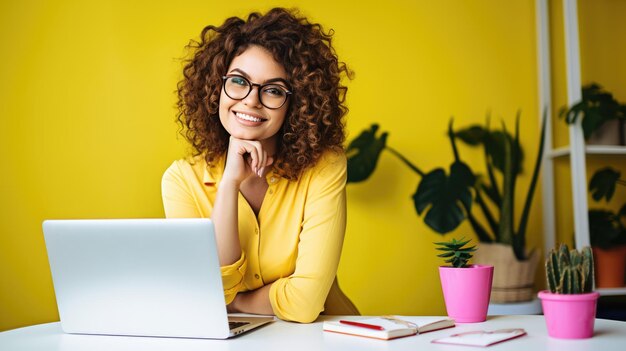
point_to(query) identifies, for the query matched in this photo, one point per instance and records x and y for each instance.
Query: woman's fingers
(260, 158)
(263, 163)
(261, 169)
(253, 155)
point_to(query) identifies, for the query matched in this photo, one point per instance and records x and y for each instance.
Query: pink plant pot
(466, 292)
(569, 316)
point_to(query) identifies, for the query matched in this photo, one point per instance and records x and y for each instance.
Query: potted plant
(603, 117)
(569, 304)
(445, 200)
(607, 230)
(466, 288)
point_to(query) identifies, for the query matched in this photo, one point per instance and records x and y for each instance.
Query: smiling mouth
(249, 118)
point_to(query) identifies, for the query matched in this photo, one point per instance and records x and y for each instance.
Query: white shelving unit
(591, 150)
(577, 155)
(545, 105)
(577, 151)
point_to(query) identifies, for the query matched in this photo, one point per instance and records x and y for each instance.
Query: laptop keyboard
(233, 325)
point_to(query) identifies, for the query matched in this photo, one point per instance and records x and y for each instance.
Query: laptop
(140, 277)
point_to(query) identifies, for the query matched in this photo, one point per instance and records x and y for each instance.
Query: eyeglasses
(271, 95)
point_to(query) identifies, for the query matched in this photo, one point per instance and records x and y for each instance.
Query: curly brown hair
(314, 119)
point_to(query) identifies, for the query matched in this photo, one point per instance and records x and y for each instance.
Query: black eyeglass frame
(259, 89)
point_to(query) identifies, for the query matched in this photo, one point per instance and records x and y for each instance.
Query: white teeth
(248, 117)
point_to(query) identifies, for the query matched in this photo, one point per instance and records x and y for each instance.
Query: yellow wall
(87, 123)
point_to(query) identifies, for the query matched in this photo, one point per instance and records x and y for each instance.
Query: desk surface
(609, 335)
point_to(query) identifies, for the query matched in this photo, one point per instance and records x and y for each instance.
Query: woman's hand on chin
(244, 159)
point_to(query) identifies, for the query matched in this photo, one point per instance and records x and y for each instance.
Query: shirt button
(257, 276)
(272, 180)
(256, 231)
(271, 191)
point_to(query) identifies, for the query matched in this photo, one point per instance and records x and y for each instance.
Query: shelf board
(612, 291)
(591, 150)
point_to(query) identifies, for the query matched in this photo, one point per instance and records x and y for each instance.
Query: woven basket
(513, 280)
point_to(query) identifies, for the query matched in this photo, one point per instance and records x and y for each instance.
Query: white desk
(609, 335)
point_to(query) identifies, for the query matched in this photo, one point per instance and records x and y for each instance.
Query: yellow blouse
(295, 242)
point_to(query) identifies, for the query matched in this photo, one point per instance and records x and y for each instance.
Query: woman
(262, 105)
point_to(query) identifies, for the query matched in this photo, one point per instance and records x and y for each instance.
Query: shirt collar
(213, 172)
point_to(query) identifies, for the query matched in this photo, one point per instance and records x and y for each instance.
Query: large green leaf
(493, 142)
(473, 135)
(519, 241)
(443, 197)
(363, 154)
(496, 150)
(603, 182)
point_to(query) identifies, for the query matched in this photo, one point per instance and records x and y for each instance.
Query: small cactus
(569, 271)
(456, 254)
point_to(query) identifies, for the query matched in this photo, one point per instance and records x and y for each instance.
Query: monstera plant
(446, 198)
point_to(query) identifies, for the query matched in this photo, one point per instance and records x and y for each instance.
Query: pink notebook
(481, 338)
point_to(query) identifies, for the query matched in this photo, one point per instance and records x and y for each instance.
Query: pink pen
(362, 325)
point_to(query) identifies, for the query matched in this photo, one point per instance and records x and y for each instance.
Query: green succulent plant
(569, 271)
(455, 253)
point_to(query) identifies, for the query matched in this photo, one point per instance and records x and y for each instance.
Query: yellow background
(87, 123)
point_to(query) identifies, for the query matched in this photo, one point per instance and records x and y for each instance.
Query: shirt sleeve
(300, 297)
(177, 193)
(180, 190)
(232, 278)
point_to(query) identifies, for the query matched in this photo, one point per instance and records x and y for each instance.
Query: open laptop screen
(153, 277)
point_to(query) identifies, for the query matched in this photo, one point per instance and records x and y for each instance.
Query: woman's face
(248, 118)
